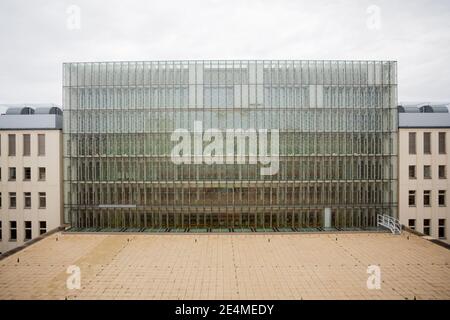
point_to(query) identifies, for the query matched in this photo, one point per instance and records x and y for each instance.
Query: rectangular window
(412, 143)
(42, 200)
(12, 174)
(442, 172)
(27, 174)
(412, 172)
(441, 198)
(42, 227)
(0, 199)
(26, 145)
(12, 230)
(41, 174)
(28, 233)
(41, 145)
(12, 200)
(11, 144)
(1, 231)
(412, 224)
(427, 172)
(427, 198)
(412, 198)
(427, 143)
(426, 227)
(442, 147)
(441, 229)
(27, 200)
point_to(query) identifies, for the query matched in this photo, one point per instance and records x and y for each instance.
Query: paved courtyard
(228, 266)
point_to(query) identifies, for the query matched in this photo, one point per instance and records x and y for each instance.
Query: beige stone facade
(38, 194)
(424, 187)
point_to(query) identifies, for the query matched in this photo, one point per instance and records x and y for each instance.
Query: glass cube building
(337, 124)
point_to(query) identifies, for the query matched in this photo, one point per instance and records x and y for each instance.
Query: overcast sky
(38, 36)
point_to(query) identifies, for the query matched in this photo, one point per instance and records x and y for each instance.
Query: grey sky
(35, 39)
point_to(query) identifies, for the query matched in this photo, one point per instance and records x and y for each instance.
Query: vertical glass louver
(337, 128)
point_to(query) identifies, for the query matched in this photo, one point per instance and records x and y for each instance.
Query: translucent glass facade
(338, 135)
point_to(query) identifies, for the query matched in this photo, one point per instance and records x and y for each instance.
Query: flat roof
(424, 120)
(228, 266)
(31, 117)
(424, 115)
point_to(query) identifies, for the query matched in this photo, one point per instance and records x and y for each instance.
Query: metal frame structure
(389, 222)
(338, 143)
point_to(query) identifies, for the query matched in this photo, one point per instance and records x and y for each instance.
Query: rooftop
(424, 115)
(228, 266)
(30, 116)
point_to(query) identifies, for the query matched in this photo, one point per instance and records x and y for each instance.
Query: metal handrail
(389, 222)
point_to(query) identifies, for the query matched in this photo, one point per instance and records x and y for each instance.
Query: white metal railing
(389, 222)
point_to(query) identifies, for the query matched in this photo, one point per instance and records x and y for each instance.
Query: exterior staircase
(390, 223)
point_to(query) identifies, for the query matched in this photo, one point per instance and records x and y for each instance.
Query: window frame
(441, 227)
(39, 174)
(412, 143)
(412, 193)
(42, 195)
(30, 229)
(409, 172)
(42, 228)
(442, 142)
(41, 148)
(12, 142)
(427, 143)
(26, 147)
(428, 195)
(11, 229)
(25, 200)
(430, 171)
(25, 174)
(12, 195)
(444, 176)
(427, 226)
(442, 193)
(12, 169)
